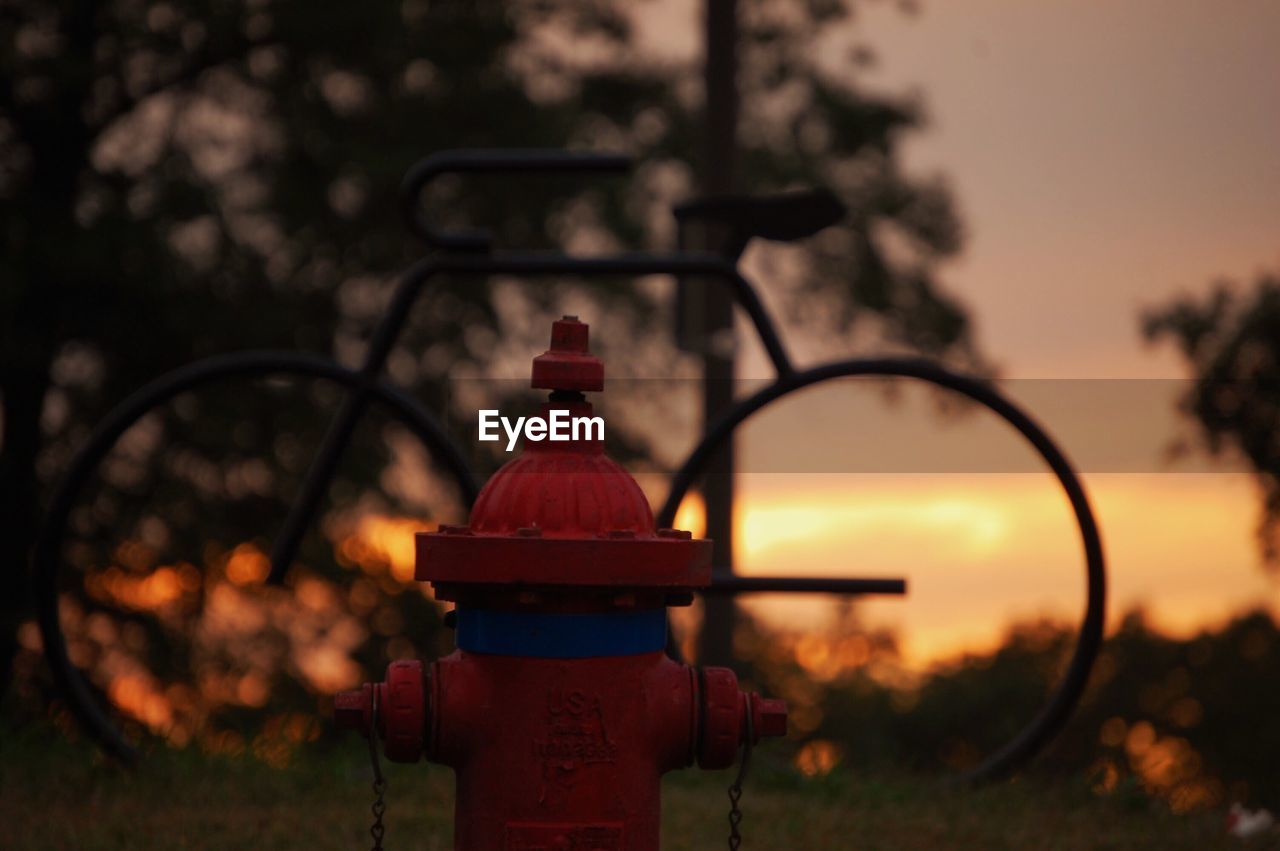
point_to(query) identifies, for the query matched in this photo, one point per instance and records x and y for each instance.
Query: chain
(735, 788)
(379, 782)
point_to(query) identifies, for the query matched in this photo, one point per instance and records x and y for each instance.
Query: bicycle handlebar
(496, 161)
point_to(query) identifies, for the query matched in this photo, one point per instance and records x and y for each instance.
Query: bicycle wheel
(49, 563)
(1063, 698)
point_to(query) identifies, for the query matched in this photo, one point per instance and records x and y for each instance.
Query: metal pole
(718, 174)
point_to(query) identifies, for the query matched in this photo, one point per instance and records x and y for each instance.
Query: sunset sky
(1105, 158)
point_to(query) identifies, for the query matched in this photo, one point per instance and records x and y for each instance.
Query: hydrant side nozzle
(402, 710)
(353, 710)
(768, 717)
(720, 717)
(397, 708)
(724, 712)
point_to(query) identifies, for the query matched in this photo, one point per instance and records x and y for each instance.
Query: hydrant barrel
(559, 711)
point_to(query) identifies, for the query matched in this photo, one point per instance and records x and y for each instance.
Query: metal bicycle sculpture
(782, 217)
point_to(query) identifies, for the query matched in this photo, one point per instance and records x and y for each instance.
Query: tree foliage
(1231, 340)
(185, 178)
(1184, 720)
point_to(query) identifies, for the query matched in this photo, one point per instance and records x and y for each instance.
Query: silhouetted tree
(1230, 338)
(183, 178)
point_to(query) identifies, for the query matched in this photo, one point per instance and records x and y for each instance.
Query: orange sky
(979, 550)
(1104, 157)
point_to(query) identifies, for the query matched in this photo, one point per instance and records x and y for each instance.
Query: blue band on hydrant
(561, 636)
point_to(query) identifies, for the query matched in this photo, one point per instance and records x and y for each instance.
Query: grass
(59, 795)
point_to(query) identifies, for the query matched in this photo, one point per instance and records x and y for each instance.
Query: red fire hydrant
(559, 711)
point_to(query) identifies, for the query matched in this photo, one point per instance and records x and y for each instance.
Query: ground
(59, 795)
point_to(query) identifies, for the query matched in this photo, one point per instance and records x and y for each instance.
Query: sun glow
(379, 542)
(972, 528)
(979, 551)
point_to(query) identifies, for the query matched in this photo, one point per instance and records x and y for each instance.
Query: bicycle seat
(784, 217)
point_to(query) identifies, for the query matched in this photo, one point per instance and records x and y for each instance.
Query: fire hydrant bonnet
(562, 514)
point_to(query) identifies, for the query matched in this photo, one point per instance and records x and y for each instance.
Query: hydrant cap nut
(568, 364)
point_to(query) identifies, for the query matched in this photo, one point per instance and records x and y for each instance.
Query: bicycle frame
(469, 254)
